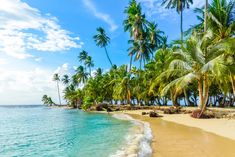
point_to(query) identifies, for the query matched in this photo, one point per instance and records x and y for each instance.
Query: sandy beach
(182, 136)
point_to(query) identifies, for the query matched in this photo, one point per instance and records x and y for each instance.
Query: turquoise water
(37, 131)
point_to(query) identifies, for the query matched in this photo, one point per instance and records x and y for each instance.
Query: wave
(138, 141)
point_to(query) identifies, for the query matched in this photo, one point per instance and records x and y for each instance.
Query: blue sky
(41, 37)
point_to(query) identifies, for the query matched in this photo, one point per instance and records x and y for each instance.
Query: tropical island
(190, 81)
(196, 70)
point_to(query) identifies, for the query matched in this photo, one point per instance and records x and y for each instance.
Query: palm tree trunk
(181, 22)
(205, 92)
(108, 56)
(130, 63)
(186, 97)
(205, 15)
(233, 82)
(90, 71)
(58, 89)
(200, 94)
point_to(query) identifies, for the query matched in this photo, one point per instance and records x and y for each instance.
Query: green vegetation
(47, 100)
(199, 70)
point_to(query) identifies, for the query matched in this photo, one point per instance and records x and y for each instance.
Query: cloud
(62, 70)
(39, 59)
(23, 28)
(103, 16)
(154, 7)
(27, 86)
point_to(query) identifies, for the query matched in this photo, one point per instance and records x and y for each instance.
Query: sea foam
(138, 141)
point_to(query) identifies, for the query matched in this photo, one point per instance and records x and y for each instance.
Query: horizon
(38, 40)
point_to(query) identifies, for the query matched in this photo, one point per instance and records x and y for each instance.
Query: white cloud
(39, 59)
(23, 28)
(27, 86)
(62, 70)
(100, 15)
(154, 7)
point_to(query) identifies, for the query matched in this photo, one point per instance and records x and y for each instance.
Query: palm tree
(154, 35)
(47, 100)
(219, 19)
(136, 24)
(180, 5)
(65, 79)
(141, 50)
(164, 43)
(89, 63)
(98, 72)
(73, 96)
(102, 40)
(132, 51)
(198, 61)
(81, 75)
(82, 57)
(56, 78)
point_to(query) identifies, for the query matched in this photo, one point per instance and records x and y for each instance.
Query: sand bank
(221, 127)
(182, 136)
(176, 140)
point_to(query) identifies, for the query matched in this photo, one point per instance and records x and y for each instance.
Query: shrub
(88, 102)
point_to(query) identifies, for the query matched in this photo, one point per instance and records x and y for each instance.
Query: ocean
(39, 131)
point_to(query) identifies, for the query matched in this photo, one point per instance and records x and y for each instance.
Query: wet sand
(176, 140)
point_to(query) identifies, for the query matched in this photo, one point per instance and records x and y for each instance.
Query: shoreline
(139, 138)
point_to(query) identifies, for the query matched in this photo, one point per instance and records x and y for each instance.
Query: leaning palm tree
(47, 100)
(196, 61)
(102, 40)
(56, 78)
(180, 5)
(89, 63)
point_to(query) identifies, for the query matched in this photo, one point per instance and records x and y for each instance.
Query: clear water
(37, 131)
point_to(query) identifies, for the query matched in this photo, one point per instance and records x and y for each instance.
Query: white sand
(222, 127)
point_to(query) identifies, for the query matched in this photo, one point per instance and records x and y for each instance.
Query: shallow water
(41, 131)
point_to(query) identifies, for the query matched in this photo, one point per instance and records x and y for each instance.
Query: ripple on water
(40, 131)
